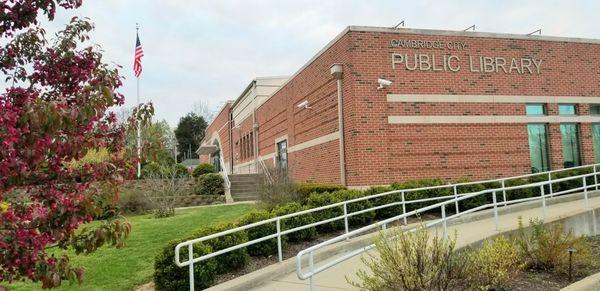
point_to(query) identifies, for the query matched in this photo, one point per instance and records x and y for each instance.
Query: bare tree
(166, 186)
(201, 108)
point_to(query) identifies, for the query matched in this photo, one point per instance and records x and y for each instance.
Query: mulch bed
(544, 280)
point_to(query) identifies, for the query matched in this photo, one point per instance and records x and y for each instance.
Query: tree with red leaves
(55, 109)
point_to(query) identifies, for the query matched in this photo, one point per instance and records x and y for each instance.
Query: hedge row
(170, 277)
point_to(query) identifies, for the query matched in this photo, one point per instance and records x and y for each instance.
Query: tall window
(596, 140)
(570, 145)
(282, 158)
(538, 147)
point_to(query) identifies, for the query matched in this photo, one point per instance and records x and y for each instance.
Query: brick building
(418, 104)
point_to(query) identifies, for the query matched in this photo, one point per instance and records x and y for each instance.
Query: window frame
(579, 145)
(547, 145)
(575, 109)
(544, 109)
(593, 105)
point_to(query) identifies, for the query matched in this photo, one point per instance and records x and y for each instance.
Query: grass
(123, 269)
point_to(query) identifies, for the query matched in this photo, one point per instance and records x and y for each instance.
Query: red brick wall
(280, 116)
(220, 125)
(380, 153)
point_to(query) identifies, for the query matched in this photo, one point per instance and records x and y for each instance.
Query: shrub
(133, 202)
(305, 189)
(297, 221)
(495, 264)
(573, 183)
(210, 184)
(359, 219)
(317, 200)
(473, 202)
(279, 192)
(415, 195)
(168, 276)
(546, 247)
(386, 212)
(518, 193)
(413, 261)
(182, 171)
(150, 169)
(203, 169)
(264, 248)
(232, 260)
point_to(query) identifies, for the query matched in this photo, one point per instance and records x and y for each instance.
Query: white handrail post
(311, 266)
(191, 266)
(279, 252)
(585, 193)
(444, 220)
(543, 200)
(403, 208)
(346, 218)
(595, 177)
(503, 191)
(550, 183)
(456, 201)
(495, 200)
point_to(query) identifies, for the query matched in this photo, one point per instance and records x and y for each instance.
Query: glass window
(570, 145)
(596, 140)
(538, 147)
(595, 109)
(282, 158)
(535, 109)
(567, 109)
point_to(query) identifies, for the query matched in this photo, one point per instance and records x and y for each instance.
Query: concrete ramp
(571, 210)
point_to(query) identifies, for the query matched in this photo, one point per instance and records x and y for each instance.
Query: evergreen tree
(189, 132)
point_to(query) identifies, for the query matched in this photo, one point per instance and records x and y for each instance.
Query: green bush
(415, 195)
(317, 200)
(305, 189)
(203, 169)
(181, 171)
(232, 260)
(359, 219)
(385, 212)
(210, 184)
(168, 276)
(573, 183)
(473, 202)
(150, 169)
(264, 248)
(495, 264)
(297, 221)
(413, 261)
(546, 247)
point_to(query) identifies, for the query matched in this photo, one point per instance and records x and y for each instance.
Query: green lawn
(123, 269)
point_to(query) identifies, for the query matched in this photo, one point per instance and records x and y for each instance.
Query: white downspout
(337, 73)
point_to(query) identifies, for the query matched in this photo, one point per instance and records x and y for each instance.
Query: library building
(382, 105)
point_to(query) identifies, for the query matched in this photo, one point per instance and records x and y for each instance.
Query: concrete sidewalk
(468, 232)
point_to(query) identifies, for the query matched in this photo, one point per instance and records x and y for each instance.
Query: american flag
(139, 53)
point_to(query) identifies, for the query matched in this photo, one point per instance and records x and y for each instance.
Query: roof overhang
(207, 149)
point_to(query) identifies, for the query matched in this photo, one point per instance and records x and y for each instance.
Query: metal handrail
(224, 174)
(383, 224)
(265, 170)
(344, 204)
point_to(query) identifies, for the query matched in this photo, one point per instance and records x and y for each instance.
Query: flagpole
(139, 137)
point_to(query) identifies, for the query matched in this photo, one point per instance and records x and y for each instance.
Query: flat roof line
(472, 34)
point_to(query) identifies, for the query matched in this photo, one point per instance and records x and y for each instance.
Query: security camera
(303, 104)
(383, 83)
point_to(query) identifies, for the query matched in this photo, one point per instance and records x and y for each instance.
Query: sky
(209, 51)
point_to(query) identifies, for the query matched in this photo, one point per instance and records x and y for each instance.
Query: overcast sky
(210, 50)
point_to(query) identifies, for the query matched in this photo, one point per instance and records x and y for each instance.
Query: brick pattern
(379, 153)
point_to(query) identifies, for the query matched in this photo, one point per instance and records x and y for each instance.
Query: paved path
(469, 232)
